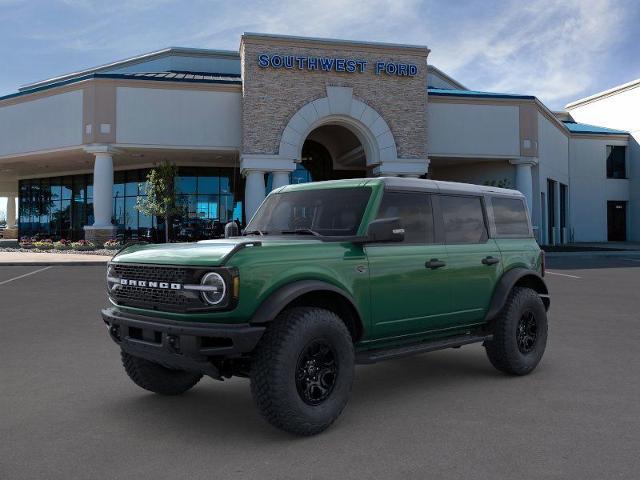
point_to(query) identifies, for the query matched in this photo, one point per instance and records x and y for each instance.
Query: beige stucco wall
(50, 122)
(272, 96)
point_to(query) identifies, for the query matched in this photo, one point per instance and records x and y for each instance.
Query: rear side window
(414, 211)
(510, 216)
(463, 219)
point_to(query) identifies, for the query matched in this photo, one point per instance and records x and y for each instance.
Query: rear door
(474, 260)
(409, 288)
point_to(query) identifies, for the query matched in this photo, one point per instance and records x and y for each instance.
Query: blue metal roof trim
(444, 92)
(227, 79)
(585, 128)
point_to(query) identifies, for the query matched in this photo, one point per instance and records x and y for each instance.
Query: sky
(557, 50)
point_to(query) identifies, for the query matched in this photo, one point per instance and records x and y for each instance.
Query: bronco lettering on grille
(149, 284)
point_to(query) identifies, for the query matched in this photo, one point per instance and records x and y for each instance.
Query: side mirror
(385, 230)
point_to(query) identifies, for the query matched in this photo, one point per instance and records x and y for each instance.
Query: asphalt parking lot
(68, 411)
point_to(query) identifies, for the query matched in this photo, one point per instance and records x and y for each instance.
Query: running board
(380, 354)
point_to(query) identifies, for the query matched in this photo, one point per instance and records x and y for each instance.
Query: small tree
(160, 200)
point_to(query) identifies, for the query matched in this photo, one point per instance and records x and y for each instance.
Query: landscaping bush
(26, 242)
(83, 245)
(63, 245)
(46, 244)
(113, 244)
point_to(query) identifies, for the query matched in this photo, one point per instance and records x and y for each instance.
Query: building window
(59, 207)
(463, 219)
(616, 161)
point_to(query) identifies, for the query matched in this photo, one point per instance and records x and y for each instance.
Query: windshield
(326, 212)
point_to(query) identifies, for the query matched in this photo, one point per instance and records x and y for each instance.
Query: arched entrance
(332, 152)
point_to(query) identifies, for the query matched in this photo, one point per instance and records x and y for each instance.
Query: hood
(205, 253)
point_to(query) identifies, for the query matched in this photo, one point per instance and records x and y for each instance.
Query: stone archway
(339, 107)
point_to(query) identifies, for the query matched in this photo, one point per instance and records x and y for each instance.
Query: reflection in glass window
(414, 212)
(463, 219)
(510, 217)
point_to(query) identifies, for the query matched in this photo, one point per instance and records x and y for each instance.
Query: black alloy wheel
(316, 372)
(527, 332)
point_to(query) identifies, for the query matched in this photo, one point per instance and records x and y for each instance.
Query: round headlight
(112, 282)
(214, 290)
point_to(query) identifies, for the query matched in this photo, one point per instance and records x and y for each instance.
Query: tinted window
(463, 219)
(510, 217)
(414, 211)
(616, 167)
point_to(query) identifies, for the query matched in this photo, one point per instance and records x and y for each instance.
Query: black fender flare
(509, 280)
(278, 300)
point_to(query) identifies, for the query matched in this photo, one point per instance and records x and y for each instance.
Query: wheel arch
(312, 293)
(517, 277)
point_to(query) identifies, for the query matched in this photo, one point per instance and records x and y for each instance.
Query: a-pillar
(524, 178)
(102, 228)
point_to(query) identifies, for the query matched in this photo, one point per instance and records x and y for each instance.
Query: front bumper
(180, 345)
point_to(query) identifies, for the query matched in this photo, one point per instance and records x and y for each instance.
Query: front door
(474, 260)
(617, 221)
(410, 292)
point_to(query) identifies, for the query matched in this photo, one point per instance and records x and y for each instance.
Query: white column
(253, 192)
(103, 189)
(524, 179)
(11, 211)
(280, 179)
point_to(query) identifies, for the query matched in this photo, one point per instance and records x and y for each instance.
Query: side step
(380, 354)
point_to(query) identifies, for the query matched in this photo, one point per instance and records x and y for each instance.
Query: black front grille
(164, 299)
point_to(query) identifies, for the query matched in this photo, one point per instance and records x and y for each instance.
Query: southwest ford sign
(335, 64)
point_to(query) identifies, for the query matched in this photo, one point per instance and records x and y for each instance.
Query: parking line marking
(562, 274)
(25, 275)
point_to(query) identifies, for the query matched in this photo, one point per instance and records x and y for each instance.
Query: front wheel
(519, 334)
(302, 370)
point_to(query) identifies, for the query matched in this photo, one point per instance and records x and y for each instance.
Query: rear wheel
(156, 378)
(520, 333)
(302, 370)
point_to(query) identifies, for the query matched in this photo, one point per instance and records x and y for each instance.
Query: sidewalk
(36, 259)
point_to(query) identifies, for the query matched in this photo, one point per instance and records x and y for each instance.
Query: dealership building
(74, 149)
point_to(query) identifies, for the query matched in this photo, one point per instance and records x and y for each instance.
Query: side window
(510, 217)
(463, 219)
(414, 211)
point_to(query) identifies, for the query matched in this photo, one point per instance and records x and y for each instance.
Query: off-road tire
(156, 378)
(503, 351)
(276, 363)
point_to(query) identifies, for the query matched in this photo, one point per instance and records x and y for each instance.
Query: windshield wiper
(302, 231)
(255, 232)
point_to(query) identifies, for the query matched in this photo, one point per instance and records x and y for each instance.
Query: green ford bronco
(328, 275)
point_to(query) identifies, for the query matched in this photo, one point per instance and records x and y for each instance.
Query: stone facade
(272, 96)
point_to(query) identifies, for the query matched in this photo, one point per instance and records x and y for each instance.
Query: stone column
(254, 192)
(524, 179)
(102, 228)
(280, 179)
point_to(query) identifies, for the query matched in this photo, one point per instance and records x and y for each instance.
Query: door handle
(434, 263)
(490, 260)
